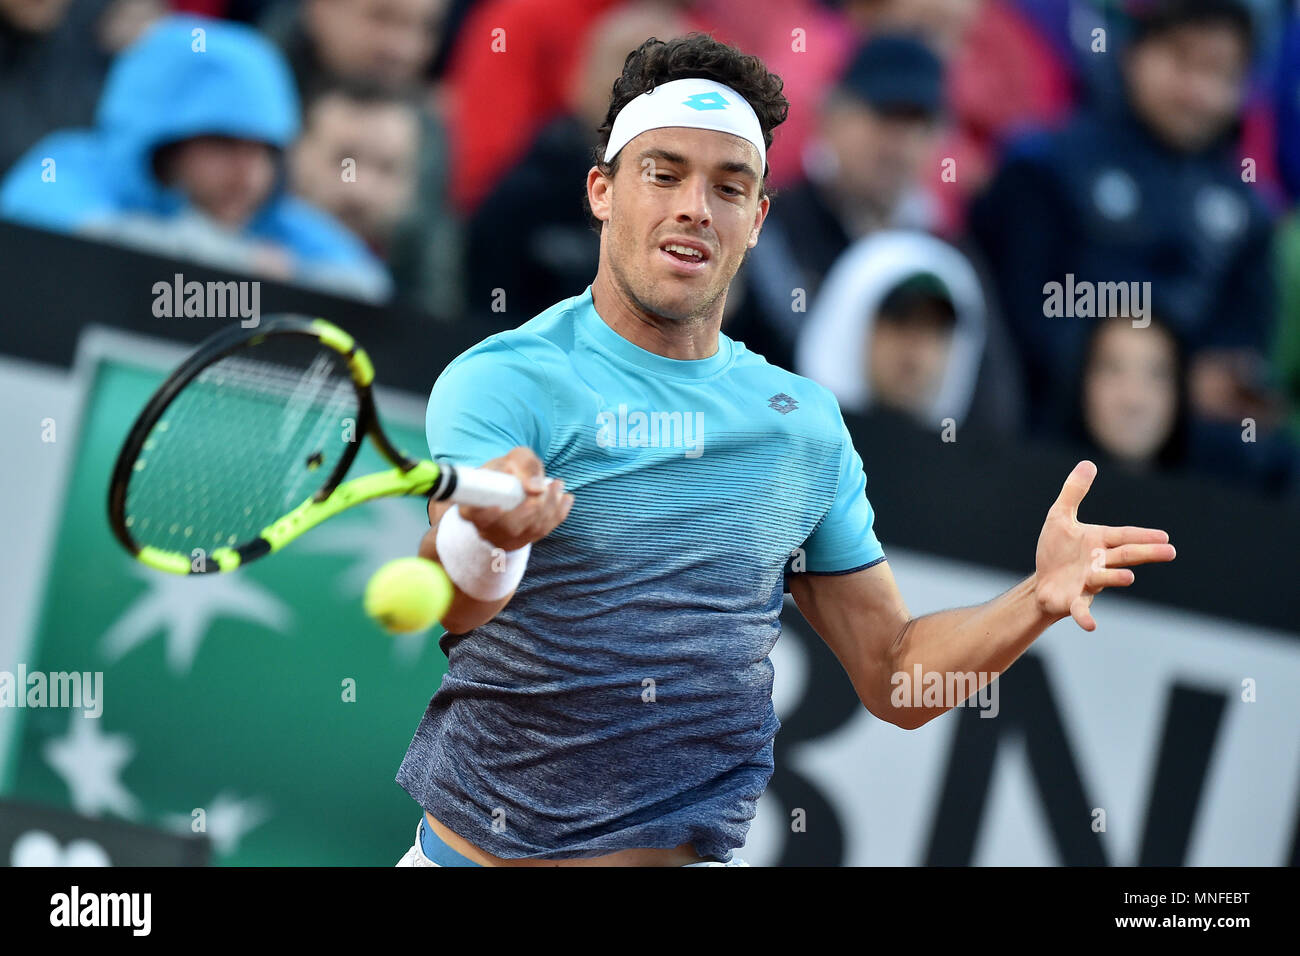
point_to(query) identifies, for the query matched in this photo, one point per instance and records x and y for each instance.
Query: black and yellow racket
(245, 447)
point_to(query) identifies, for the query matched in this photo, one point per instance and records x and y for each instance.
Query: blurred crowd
(1071, 220)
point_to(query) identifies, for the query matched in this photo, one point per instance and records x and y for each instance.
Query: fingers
(1113, 537)
(550, 511)
(523, 463)
(1079, 610)
(1110, 578)
(552, 499)
(544, 507)
(1127, 555)
(533, 519)
(1076, 486)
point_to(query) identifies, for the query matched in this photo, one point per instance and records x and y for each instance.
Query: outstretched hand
(1074, 561)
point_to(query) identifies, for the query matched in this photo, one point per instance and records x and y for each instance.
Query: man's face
(382, 141)
(387, 42)
(878, 155)
(33, 16)
(907, 359)
(943, 23)
(1130, 395)
(227, 178)
(1188, 84)
(679, 187)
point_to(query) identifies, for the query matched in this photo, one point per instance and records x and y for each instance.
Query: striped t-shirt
(623, 698)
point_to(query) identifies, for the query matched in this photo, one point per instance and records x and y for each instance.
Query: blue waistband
(437, 850)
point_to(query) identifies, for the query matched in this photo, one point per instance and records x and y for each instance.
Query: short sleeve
(845, 540)
(487, 401)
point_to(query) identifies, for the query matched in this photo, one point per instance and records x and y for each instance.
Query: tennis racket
(246, 445)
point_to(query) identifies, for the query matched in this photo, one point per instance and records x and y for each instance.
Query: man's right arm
(544, 508)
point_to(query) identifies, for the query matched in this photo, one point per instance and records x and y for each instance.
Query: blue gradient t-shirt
(623, 698)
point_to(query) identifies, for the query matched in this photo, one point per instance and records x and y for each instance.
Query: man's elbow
(904, 717)
(467, 613)
(884, 696)
(913, 719)
(458, 625)
(464, 619)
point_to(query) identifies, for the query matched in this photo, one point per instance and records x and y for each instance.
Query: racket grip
(484, 488)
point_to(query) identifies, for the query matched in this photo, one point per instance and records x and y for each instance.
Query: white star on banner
(227, 820)
(185, 608)
(90, 763)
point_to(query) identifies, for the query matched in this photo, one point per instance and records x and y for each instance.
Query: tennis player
(608, 698)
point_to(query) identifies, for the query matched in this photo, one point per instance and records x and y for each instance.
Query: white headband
(693, 102)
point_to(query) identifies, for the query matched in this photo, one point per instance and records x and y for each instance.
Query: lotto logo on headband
(706, 101)
(695, 103)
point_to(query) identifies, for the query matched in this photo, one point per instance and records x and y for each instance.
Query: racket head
(249, 427)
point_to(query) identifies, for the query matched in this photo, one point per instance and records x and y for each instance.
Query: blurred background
(1006, 233)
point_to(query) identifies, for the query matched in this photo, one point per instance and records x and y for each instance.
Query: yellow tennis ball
(408, 595)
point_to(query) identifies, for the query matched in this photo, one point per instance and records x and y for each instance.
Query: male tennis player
(608, 694)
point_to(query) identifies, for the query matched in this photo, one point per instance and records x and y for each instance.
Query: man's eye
(731, 191)
(664, 177)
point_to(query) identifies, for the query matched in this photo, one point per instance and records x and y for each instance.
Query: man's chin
(672, 296)
(673, 308)
(668, 311)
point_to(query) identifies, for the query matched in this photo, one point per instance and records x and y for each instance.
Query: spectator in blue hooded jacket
(185, 160)
(1146, 189)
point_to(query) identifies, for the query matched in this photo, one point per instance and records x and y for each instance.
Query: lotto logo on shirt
(649, 429)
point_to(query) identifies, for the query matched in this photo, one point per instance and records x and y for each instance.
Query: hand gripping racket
(246, 444)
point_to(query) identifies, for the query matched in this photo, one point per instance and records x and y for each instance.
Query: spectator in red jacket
(510, 74)
(530, 243)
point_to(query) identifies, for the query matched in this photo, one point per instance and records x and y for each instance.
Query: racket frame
(407, 477)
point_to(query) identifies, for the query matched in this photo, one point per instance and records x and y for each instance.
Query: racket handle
(484, 488)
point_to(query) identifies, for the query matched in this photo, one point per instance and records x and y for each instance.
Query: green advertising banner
(261, 707)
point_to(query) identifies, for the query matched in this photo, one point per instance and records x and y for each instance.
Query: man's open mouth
(688, 254)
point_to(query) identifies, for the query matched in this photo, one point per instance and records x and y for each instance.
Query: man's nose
(693, 202)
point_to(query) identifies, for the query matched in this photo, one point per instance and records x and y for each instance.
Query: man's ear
(764, 205)
(600, 193)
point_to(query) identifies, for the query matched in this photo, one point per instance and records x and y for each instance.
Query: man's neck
(695, 338)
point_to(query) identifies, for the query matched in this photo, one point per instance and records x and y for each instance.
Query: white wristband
(479, 568)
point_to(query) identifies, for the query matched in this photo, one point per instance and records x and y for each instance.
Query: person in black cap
(877, 126)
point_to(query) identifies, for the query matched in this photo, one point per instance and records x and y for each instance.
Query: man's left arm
(862, 617)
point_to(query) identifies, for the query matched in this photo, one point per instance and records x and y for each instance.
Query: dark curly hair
(656, 62)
